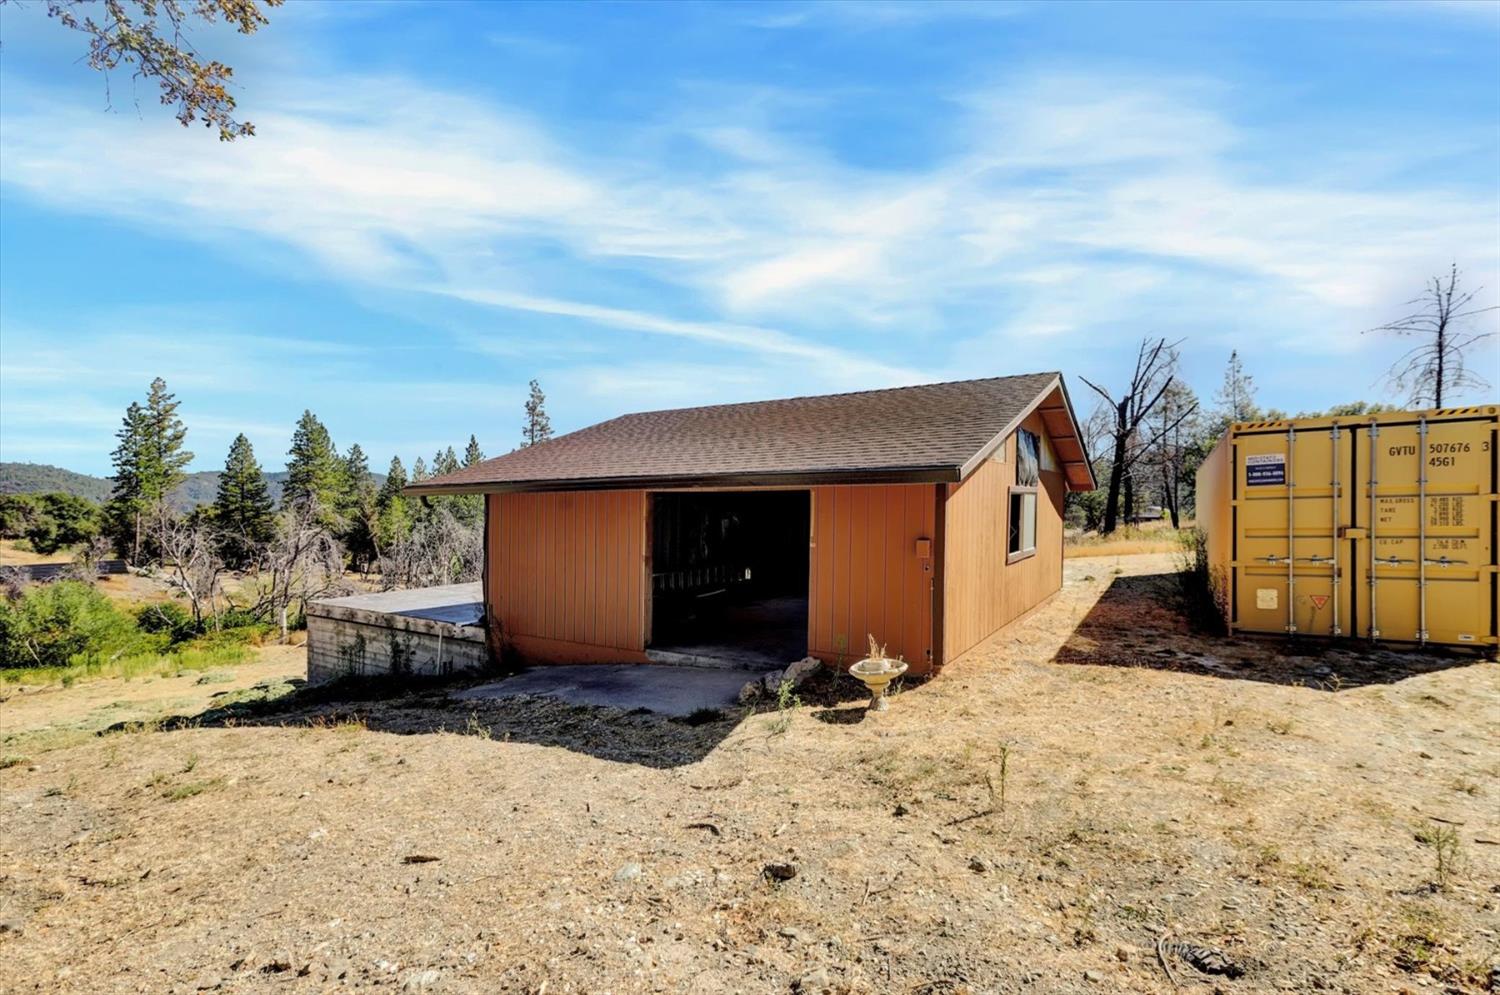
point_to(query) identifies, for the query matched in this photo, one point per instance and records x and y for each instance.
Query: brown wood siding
(865, 575)
(980, 591)
(565, 577)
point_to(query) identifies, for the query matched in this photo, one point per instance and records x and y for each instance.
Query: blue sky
(652, 206)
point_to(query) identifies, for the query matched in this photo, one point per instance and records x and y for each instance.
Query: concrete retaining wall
(344, 641)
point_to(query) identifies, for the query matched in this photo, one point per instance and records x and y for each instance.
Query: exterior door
(1423, 548)
(1294, 497)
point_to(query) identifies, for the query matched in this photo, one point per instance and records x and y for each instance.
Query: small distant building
(1148, 513)
(755, 534)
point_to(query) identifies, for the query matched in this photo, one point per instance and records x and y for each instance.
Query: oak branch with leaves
(151, 35)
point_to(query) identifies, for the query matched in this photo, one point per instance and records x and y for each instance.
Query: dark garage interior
(729, 576)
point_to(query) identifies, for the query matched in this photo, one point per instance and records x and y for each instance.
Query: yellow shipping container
(1379, 527)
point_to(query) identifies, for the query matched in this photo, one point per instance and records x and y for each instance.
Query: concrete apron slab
(670, 690)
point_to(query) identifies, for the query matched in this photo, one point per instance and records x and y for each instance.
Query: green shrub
(240, 618)
(240, 635)
(167, 617)
(52, 625)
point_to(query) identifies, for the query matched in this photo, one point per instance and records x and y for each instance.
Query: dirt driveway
(1094, 780)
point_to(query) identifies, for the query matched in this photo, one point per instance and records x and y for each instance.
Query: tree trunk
(1116, 478)
(1169, 489)
(1438, 388)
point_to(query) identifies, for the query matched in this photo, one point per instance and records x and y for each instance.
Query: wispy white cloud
(833, 364)
(1061, 201)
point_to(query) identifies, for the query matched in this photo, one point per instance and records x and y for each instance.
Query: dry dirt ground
(1094, 780)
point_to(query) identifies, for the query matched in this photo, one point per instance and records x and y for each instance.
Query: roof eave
(988, 450)
(940, 474)
(1088, 464)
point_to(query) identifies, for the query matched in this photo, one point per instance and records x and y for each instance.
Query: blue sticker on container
(1264, 469)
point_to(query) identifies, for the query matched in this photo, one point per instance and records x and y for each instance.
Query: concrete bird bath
(876, 672)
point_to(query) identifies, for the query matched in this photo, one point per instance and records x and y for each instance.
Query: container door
(1424, 549)
(1292, 501)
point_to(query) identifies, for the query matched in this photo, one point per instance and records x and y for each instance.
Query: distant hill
(198, 488)
(39, 478)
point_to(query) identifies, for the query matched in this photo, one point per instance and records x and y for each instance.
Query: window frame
(1012, 509)
(1015, 511)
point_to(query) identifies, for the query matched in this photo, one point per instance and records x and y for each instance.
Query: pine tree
(395, 521)
(356, 489)
(126, 502)
(393, 515)
(167, 461)
(1236, 396)
(472, 453)
(359, 507)
(469, 508)
(149, 462)
(418, 471)
(243, 511)
(356, 475)
(395, 480)
(445, 461)
(537, 427)
(315, 473)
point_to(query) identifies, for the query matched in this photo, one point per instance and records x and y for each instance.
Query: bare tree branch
(1436, 367)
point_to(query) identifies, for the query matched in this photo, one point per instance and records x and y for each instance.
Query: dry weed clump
(1447, 852)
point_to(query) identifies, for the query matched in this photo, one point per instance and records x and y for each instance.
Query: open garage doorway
(729, 576)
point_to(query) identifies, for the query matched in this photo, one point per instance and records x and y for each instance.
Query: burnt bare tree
(304, 562)
(440, 549)
(1155, 362)
(1441, 323)
(1175, 426)
(189, 554)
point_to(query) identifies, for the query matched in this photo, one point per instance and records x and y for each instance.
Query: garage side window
(1021, 540)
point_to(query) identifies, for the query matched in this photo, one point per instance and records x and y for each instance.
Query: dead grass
(39, 717)
(1128, 540)
(18, 553)
(1118, 547)
(1093, 778)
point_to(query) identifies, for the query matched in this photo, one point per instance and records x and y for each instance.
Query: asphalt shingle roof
(926, 432)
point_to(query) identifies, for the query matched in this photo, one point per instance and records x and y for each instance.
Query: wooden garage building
(758, 533)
